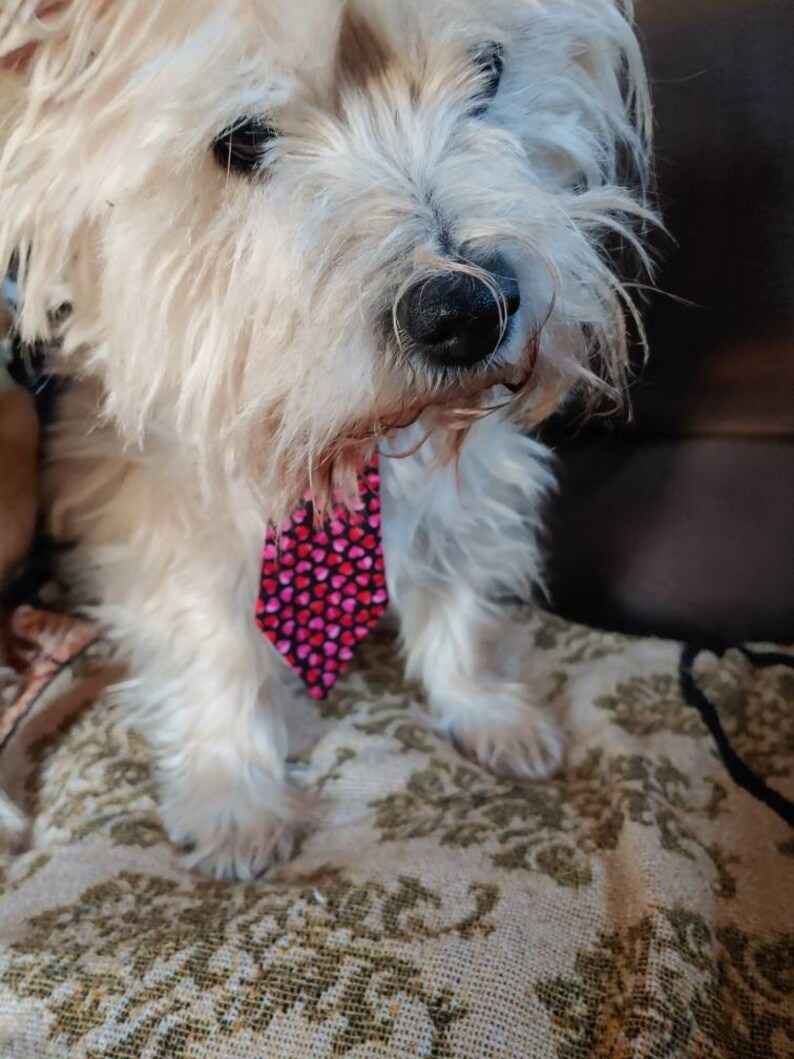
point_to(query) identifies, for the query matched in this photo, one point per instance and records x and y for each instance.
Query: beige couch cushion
(639, 906)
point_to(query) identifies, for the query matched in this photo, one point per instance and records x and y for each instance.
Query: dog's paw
(238, 838)
(508, 736)
(243, 855)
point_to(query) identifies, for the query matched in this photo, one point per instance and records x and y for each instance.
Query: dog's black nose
(457, 320)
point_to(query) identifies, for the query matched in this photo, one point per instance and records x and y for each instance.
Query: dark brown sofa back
(683, 523)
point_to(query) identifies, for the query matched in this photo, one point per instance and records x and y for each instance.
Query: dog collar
(323, 585)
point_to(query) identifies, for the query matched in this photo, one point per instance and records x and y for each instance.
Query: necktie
(323, 585)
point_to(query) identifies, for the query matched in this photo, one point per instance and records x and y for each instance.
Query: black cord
(738, 770)
(767, 659)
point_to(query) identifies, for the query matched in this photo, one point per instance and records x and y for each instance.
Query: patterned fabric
(323, 586)
(42, 644)
(638, 906)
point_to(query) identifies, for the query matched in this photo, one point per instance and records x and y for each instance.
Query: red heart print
(334, 571)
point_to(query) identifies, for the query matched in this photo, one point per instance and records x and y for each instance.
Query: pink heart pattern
(323, 585)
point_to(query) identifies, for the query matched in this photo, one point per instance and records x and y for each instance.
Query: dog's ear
(611, 57)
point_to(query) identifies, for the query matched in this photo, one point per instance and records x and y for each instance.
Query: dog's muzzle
(457, 320)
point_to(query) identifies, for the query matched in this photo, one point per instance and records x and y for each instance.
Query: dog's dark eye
(490, 59)
(241, 146)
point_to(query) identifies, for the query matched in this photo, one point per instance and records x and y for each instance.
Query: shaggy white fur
(230, 337)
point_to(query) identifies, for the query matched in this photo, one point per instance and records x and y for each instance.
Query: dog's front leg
(211, 696)
(460, 540)
(177, 583)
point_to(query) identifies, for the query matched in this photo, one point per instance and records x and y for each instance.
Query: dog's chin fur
(227, 345)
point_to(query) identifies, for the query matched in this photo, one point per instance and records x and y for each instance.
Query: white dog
(288, 233)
